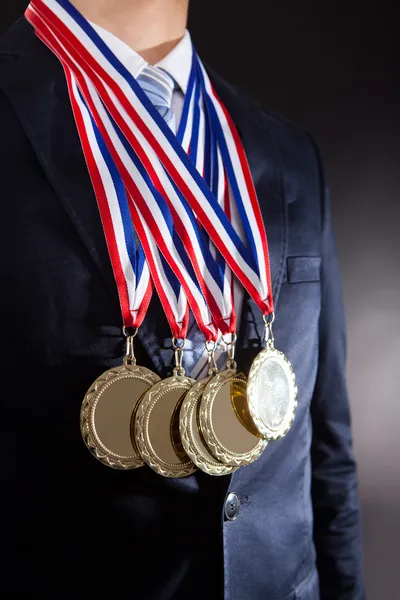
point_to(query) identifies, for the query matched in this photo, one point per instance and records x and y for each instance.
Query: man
(285, 527)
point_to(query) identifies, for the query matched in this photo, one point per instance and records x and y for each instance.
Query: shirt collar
(177, 63)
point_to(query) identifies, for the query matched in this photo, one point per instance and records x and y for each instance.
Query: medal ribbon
(130, 268)
(169, 185)
(101, 168)
(96, 107)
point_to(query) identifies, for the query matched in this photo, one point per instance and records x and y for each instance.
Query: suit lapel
(267, 172)
(34, 83)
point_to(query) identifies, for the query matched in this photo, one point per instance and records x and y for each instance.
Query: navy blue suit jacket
(72, 528)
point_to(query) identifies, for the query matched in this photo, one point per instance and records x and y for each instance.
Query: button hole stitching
(244, 499)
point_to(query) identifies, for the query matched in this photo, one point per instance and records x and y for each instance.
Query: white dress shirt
(178, 64)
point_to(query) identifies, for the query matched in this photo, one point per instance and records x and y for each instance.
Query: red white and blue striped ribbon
(98, 159)
(171, 177)
(101, 167)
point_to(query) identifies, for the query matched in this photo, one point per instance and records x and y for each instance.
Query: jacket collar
(34, 83)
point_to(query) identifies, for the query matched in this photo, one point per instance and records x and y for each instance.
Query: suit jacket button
(232, 506)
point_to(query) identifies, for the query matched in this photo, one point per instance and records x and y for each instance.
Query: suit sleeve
(337, 523)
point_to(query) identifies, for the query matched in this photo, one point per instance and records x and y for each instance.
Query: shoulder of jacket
(286, 133)
(15, 40)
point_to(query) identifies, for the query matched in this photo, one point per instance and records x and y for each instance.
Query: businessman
(286, 527)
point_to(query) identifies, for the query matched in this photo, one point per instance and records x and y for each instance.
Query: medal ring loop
(211, 346)
(129, 358)
(269, 319)
(232, 342)
(130, 335)
(269, 334)
(230, 347)
(231, 364)
(178, 343)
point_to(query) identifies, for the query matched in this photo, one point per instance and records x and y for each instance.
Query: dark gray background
(330, 67)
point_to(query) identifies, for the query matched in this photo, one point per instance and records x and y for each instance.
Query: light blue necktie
(159, 87)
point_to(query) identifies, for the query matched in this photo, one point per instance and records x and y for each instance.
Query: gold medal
(190, 433)
(272, 391)
(107, 411)
(223, 431)
(225, 424)
(156, 428)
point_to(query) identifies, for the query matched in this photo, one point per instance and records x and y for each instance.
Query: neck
(150, 27)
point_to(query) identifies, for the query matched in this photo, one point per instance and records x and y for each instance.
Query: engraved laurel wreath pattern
(221, 453)
(142, 424)
(255, 367)
(86, 415)
(190, 449)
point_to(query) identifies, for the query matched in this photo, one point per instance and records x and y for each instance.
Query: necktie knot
(159, 87)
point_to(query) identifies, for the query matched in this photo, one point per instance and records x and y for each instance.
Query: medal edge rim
(226, 456)
(143, 443)
(86, 418)
(190, 444)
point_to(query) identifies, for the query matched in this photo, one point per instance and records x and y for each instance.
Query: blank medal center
(274, 396)
(114, 412)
